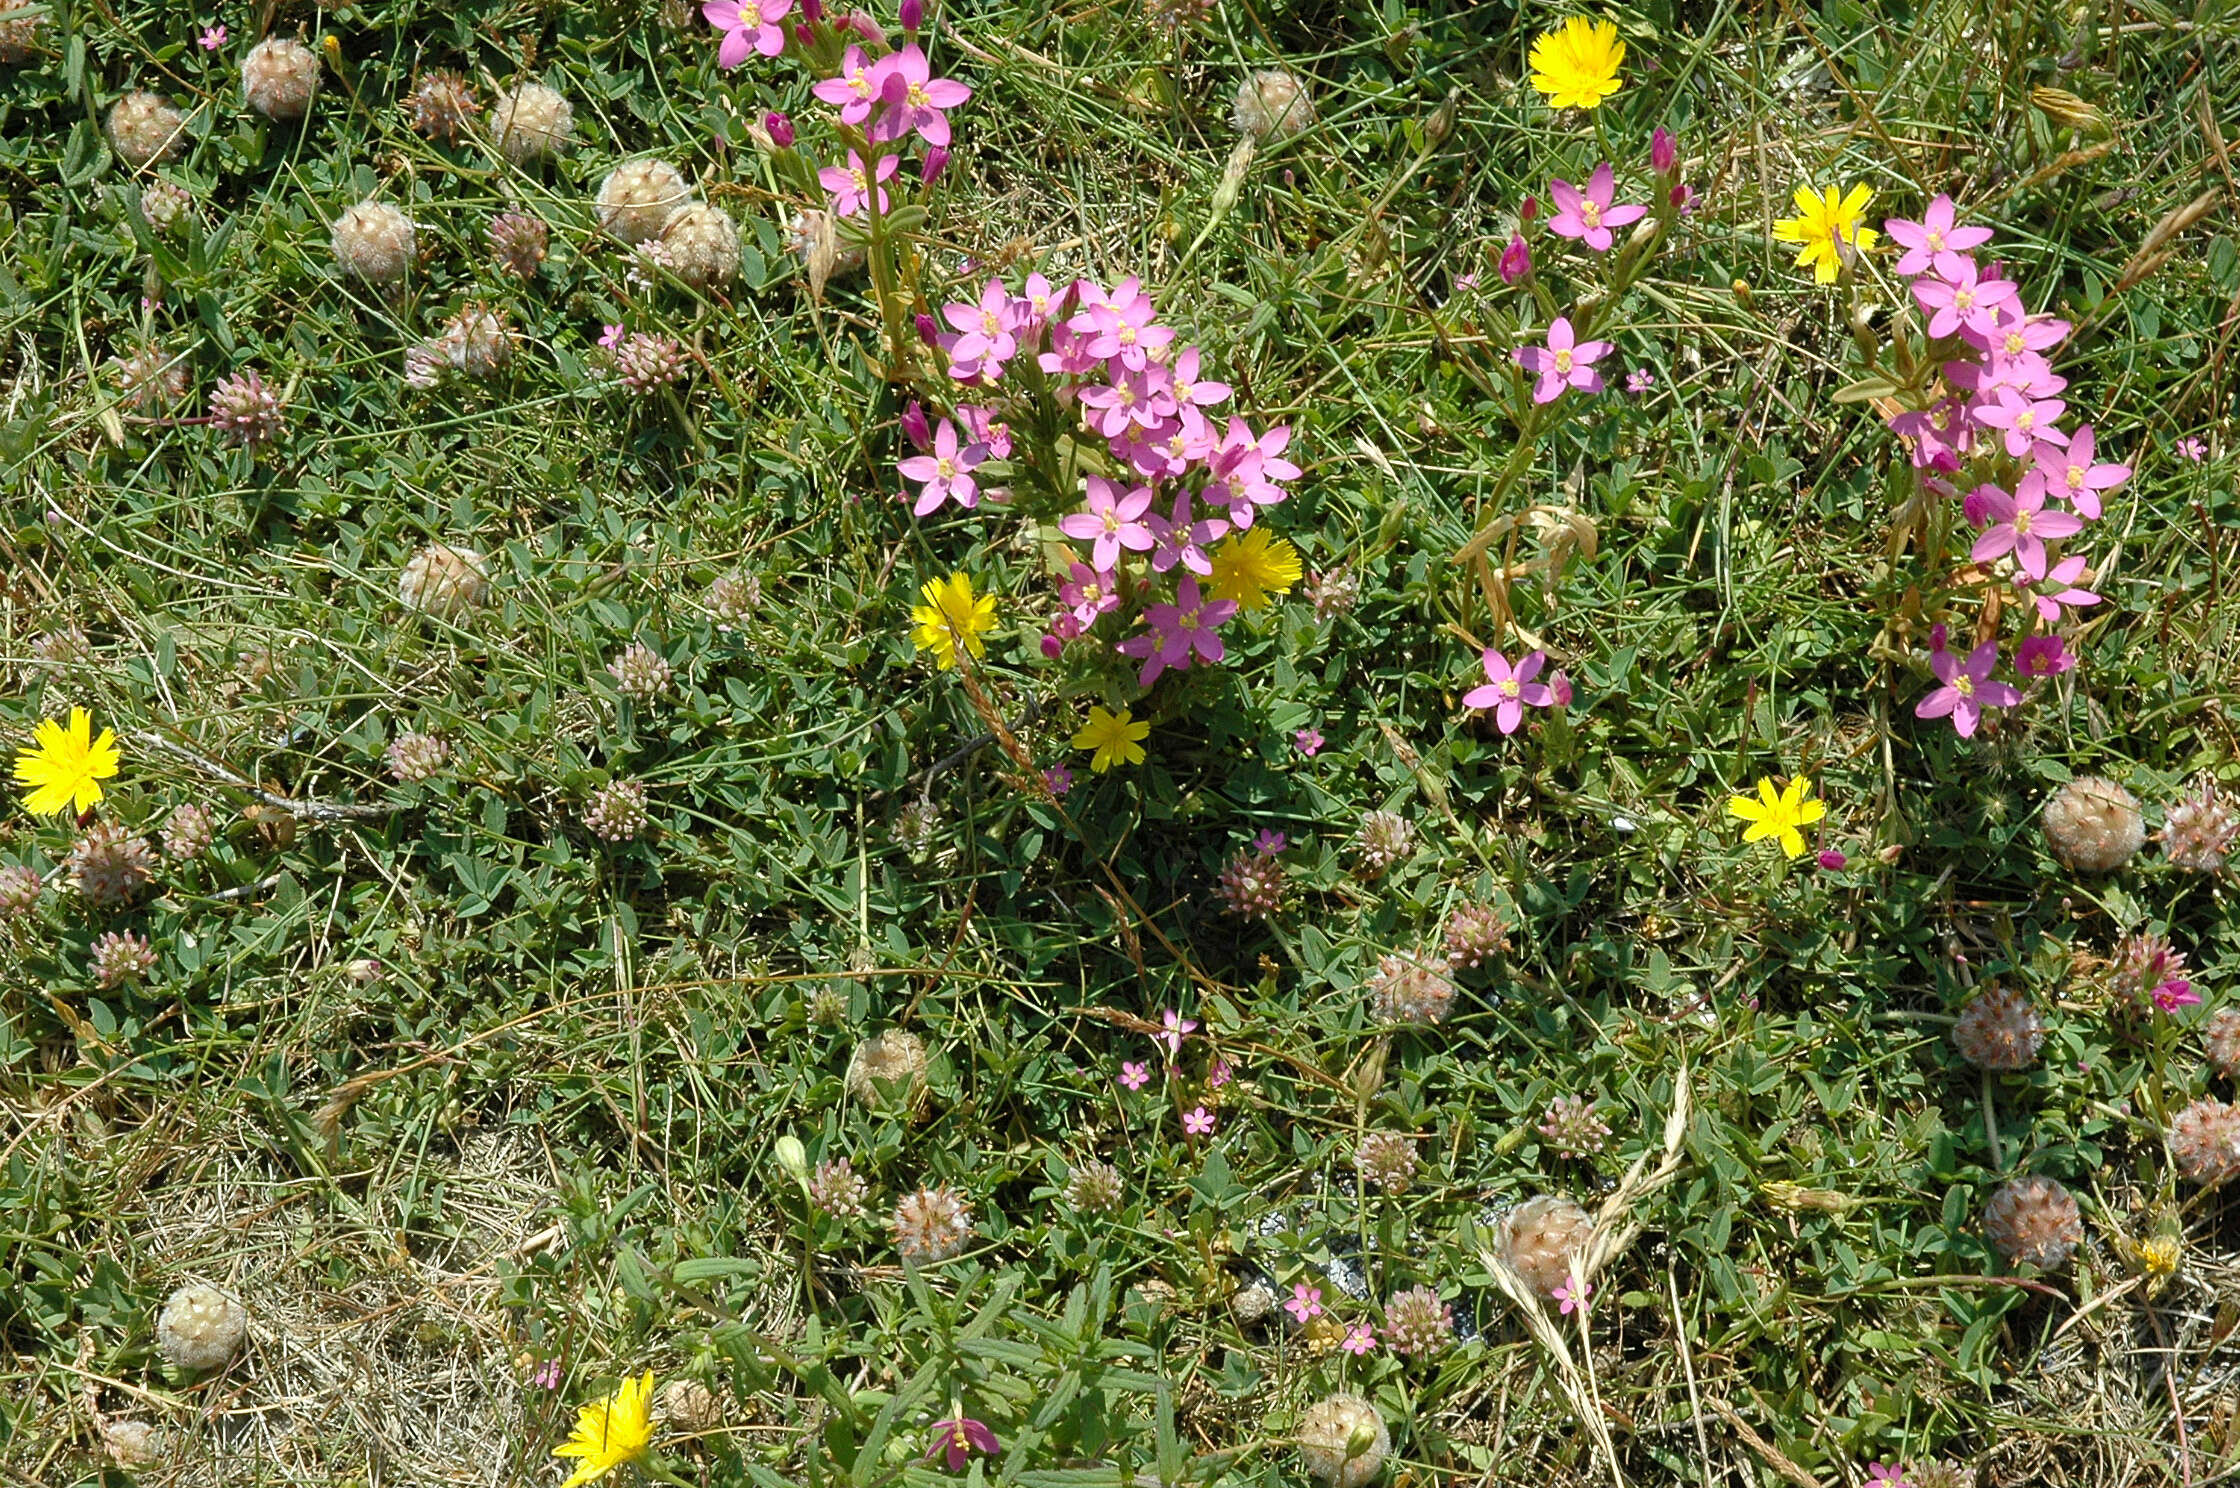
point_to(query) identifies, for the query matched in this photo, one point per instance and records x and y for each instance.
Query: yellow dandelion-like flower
(1576, 65)
(951, 619)
(64, 767)
(610, 1432)
(1116, 738)
(1254, 565)
(1824, 221)
(1778, 815)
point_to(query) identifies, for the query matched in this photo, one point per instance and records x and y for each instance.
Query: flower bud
(1663, 158)
(1516, 260)
(914, 426)
(812, 11)
(1832, 860)
(781, 129)
(1052, 647)
(1684, 197)
(805, 34)
(792, 1157)
(863, 25)
(1560, 686)
(936, 158)
(913, 15)
(928, 332)
(1529, 210)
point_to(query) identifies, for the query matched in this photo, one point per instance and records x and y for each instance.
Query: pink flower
(2190, 448)
(1832, 860)
(947, 472)
(1884, 1474)
(1588, 215)
(2020, 524)
(1268, 843)
(1961, 299)
(2027, 421)
(1219, 1075)
(1090, 593)
(1134, 1072)
(1305, 1303)
(1057, 780)
(1516, 259)
(914, 97)
(1178, 538)
(1308, 741)
(1564, 363)
(986, 429)
(547, 1376)
(1179, 631)
(1198, 1121)
(212, 39)
(2043, 656)
(755, 26)
(1189, 390)
(1937, 436)
(1640, 380)
(2017, 333)
(610, 336)
(2174, 994)
(849, 186)
(2071, 475)
(1967, 690)
(1509, 691)
(853, 92)
(986, 331)
(1664, 158)
(1568, 1300)
(1933, 242)
(1112, 520)
(2065, 573)
(1359, 1339)
(1245, 470)
(1177, 1029)
(955, 1441)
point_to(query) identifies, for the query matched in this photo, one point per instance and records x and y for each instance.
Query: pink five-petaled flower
(1134, 1072)
(1509, 691)
(1569, 1301)
(1305, 1303)
(1090, 593)
(610, 336)
(757, 25)
(1177, 1028)
(1269, 843)
(853, 92)
(1308, 741)
(2043, 656)
(1933, 242)
(1197, 1121)
(914, 97)
(1563, 362)
(1057, 780)
(2026, 421)
(2071, 475)
(212, 39)
(1220, 1074)
(947, 471)
(2020, 524)
(986, 331)
(2065, 573)
(1112, 520)
(2190, 448)
(1359, 1339)
(1189, 389)
(1178, 538)
(2174, 994)
(1960, 299)
(1588, 215)
(956, 1440)
(850, 187)
(1178, 630)
(1967, 690)
(1888, 1474)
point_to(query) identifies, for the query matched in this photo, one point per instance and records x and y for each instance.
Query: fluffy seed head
(638, 199)
(616, 812)
(518, 241)
(1538, 1237)
(1178, 15)
(446, 582)
(2093, 825)
(1417, 1323)
(703, 244)
(688, 1405)
(110, 866)
(415, 757)
(118, 957)
(478, 341)
(530, 121)
(888, 1071)
(165, 204)
(1405, 990)
(1251, 887)
(2222, 1036)
(1384, 839)
(150, 380)
(19, 890)
(1343, 1441)
(375, 242)
(828, 1007)
(1941, 1472)
(19, 39)
(1476, 933)
(2198, 830)
(245, 409)
(280, 77)
(648, 363)
(931, 1225)
(201, 1327)
(1271, 106)
(2000, 1030)
(443, 105)
(2205, 1141)
(188, 832)
(733, 599)
(1252, 1302)
(641, 673)
(1095, 1188)
(1386, 1161)
(1572, 1127)
(838, 1189)
(2033, 1222)
(144, 130)
(134, 1443)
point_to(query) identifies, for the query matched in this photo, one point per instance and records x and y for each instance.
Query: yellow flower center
(857, 177)
(1189, 620)
(859, 83)
(990, 323)
(1563, 361)
(2026, 419)
(1964, 684)
(1963, 300)
(918, 100)
(2021, 523)
(1935, 240)
(2076, 477)
(2014, 343)
(1590, 214)
(1509, 688)
(1127, 335)
(944, 469)
(1111, 519)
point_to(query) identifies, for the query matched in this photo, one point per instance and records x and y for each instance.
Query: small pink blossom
(1359, 1339)
(2065, 573)
(1640, 380)
(954, 1441)
(1089, 592)
(2043, 656)
(1564, 362)
(2072, 475)
(1832, 860)
(1305, 1303)
(1967, 690)
(1198, 1121)
(851, 186)
(1112, 521)
(756, 26)
(212, 39)
(610, 336)
(547, 1376)
(1934, 242)
(2190, 448)
(946, 472)
(985, 330)
(1134, 1072)
(1569, 1301)
(1961, 299)
(2173, 994)
(2026, 422)
(1510, 690)
(1178, 539)
(914, 97)
(1175, 1028)
(853, 91)
(1219, 1075)
(1664, 156)
(1057, 780)
(2021, 525)
(1886, 1474)
(1180, 633)
(1308, 741)
(1588, 215)
(1516, 259)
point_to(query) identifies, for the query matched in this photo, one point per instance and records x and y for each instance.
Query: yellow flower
(951, 619)
(610, 1432)
(1778, 816)
(1576, 65)
(1823, 219)
(1116, 737)
(1253, 565)
(64, 767)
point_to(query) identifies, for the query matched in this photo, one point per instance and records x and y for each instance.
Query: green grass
(544, 1126)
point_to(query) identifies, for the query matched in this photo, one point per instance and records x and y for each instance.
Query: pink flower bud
(914, 426)
(1559, 687)
(1066, 626)
(928, 332)
(863, 26)
(1663, 158)
(1936, 636)
(913, 14)
(806, 35)
(1516, 260)
(1052, 647)
(1529, 210)
(1684, 197)
(1832, 860)
(781, 129)
(936, 158)
(812, 11)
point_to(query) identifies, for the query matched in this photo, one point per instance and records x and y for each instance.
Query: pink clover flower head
(755, 26)
(1305, 1303)
(1888, 1474)
(946, 472)
(1569, 1301)
(1961, 299)
(2072, 475)
(1181, 633)
(1935, 242)
(851, 185)
(1308, 741)
(1510, 690)
(1967, 688)
(1111, 520)
(1588, 215)
(1832, 860)
(2021, 525)
(1269, 843)
(852, 91)
(955, 1441)
(914, 97)
(2193, 449)
(211, 39)
(1089, 592)
(2173, 994)
(1198, 1121)
(1563, 362)
(1178, 538)
(1134, 1073)
(1057, 780)
(1359, 1339)
(2026, 422)
(2065, 573)
(1516, 259)
(1175, 1028)
(2043, 656)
